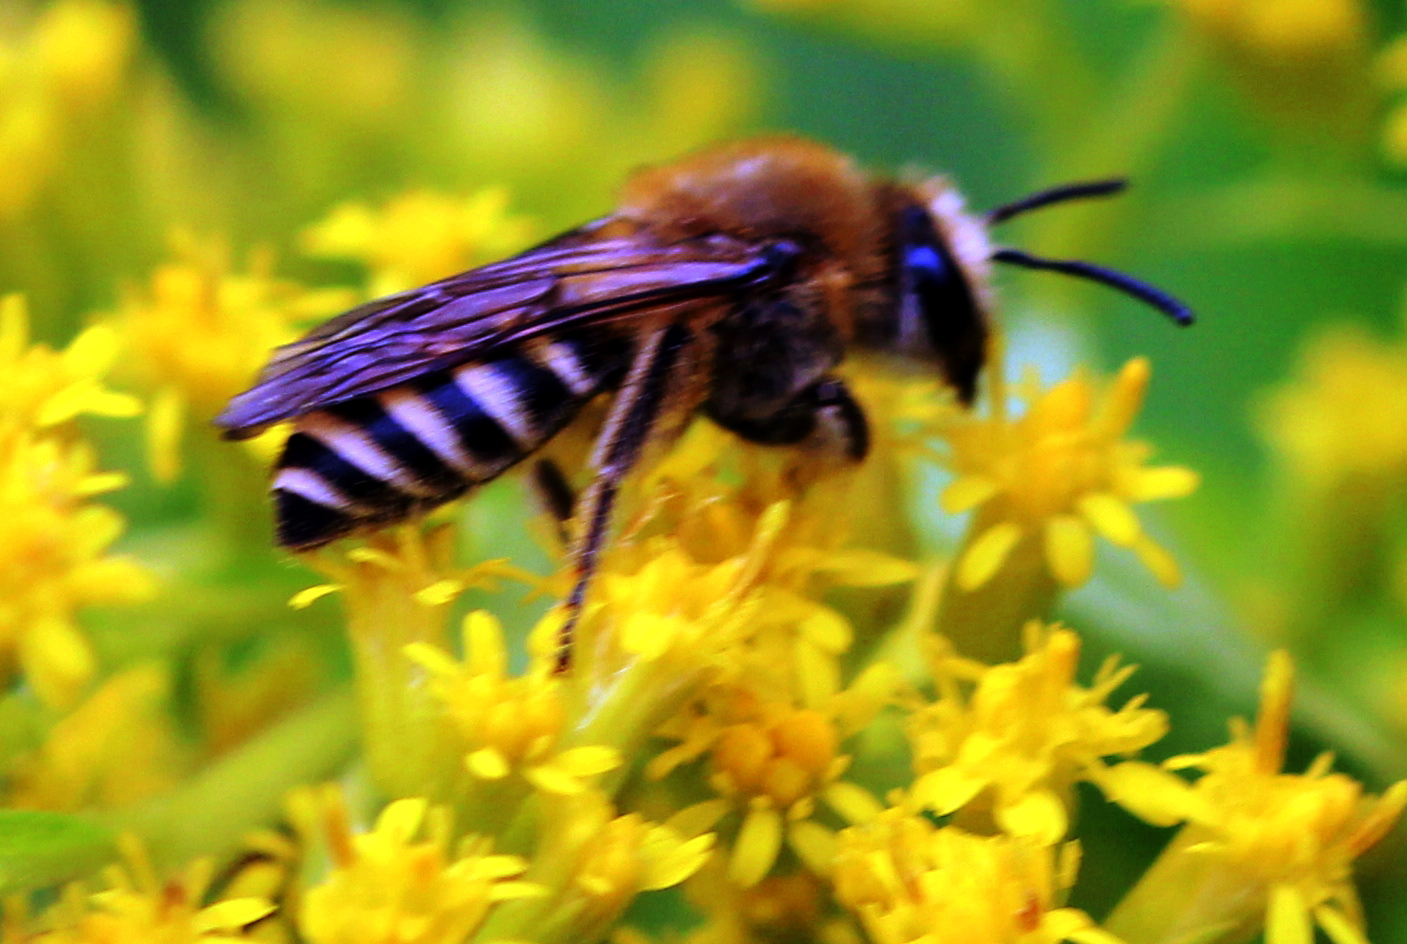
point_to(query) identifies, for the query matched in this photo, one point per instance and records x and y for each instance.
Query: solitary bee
(732, 282)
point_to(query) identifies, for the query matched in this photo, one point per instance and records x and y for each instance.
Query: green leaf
(42, 849)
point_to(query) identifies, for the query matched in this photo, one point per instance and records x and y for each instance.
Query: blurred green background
(1270, 194)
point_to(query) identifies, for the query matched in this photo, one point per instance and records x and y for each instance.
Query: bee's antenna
(1044, 198)
(1127, 284)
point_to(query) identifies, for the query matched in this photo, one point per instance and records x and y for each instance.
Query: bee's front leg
(822, 418)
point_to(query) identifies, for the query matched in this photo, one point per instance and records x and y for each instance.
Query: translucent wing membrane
(577, 279)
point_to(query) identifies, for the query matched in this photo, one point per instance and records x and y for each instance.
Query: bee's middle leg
(823, 418)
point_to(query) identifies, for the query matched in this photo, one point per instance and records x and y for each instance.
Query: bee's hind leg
(633, 418)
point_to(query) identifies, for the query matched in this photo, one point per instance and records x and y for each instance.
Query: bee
(731, 283)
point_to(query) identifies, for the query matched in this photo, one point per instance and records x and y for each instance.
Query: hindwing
(577, 280)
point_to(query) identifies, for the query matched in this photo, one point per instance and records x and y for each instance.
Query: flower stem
(212, 813)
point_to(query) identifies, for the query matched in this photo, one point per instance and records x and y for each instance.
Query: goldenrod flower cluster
(808, 700)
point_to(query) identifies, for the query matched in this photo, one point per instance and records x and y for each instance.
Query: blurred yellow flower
(1045, 483)
(1263, 847)
(1392, 77)
(138, 907)
(1013, 747)
(118, 746)
(401, 882)
(70, 57)
(41, 388)
(419, 236)
(199, 333)
(1342, 422)
(53, 542)
(1292, 29)
(909, 881)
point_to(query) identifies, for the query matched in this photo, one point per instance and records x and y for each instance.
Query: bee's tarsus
(1081, 190)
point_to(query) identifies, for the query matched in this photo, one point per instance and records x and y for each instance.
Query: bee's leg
(633, 417)
(556, 494)
(824, 417)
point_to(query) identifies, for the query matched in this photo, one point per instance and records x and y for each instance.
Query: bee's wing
(575, 279)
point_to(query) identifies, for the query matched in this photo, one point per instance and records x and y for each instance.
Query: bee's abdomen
(382, 458)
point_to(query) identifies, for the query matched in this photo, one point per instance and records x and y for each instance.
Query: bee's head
(942, 275)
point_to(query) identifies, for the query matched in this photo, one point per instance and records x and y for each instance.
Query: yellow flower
(115, 748)
(1304, 62)
(41, 388)
(910, 881)
(1048, 481)
(69, 58)
(593, 863)
(1342, 423)
(400, 883)
(509, 725)
(1023, 736)
(398, 588)
(53, 561)
(199, 333)
(139, 908)
(775, 766)
(419, 236)
(1392, 76)
(1292, 29)
(1262, 847)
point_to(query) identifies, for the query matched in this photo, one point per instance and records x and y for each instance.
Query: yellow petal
(1069, 549)
(817, 673)
(859, 567)
(439, 593)
(433, 658)
(668, 861)
(484, 649)
(1038, 815)
(948, 789)
(1111, 517)
(402, 818)
(1337, 925)
(166, 420)
(58, 660)
(1159, 561)
(589, 761)
(757, 845)
(555, 780)
(1287, 919)
(699, 818)
(814, 845)
(987, 554)
(1152, 794)
(854, 803)
(231, 915)
(306, 598)
(1093, 935)
(94, 351)
(1155, 484)
(487, 763)
(647, 635)
(967, 493)
(1125, 399)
